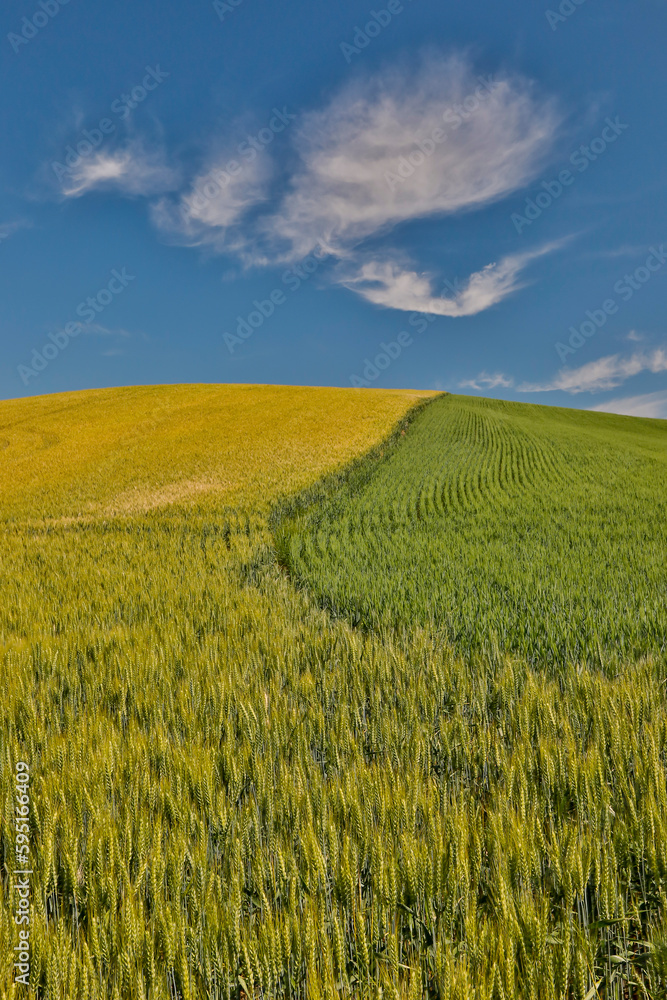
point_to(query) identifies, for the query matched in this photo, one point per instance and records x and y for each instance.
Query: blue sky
(468, 197)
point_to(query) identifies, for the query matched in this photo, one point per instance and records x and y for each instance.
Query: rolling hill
(400, 777)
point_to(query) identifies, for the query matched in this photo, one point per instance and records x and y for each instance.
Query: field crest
(99, 453)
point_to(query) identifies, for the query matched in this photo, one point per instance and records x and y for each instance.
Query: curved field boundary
(536, 530)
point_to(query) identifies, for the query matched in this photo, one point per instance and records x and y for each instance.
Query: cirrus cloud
(339, 194)
(216, 202)
(602, 374)
(131, 170)
(388, 284)
(477, 140)
(650, 404)
(485, 381)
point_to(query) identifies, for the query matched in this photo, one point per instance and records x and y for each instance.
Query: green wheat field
(333, 693)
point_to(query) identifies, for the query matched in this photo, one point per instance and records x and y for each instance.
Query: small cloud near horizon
(650, 404)
(483, 382)
(600, 375)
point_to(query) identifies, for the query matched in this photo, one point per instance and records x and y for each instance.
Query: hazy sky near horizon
(468, 197)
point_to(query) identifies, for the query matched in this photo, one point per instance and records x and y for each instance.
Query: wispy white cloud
(602, 374)
(484, 381)
(386, 283)
(97, 330)
(214, 204)
(342, 193)
(8, 229)
(635, 337)
(401, 145)
(650, 404)
(595, 376)
(132, 170)
(626, 250)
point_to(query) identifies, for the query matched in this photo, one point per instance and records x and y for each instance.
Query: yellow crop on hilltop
(119, 451)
